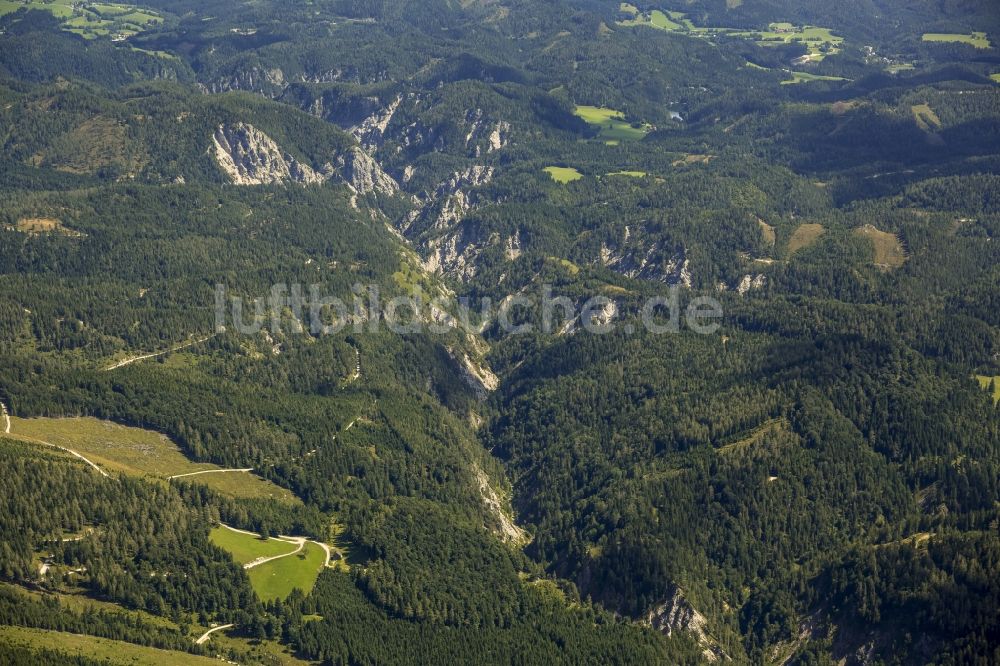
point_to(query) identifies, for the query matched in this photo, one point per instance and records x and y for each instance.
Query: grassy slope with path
(294, 567)
(112, 652)
(245, 548)
(142, 453)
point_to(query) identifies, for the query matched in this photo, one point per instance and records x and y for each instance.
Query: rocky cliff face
(364, 175)
(676, 613)
(248, 156)
(637, 260)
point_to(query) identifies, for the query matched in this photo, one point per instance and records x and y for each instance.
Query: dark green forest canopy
(816, 480)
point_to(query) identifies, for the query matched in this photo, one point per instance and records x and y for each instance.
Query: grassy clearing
(767, 231)
(806, 77)
(693, 159)
(629, 174)
(995, 77)
(277, 579)
(141, 453)
(985, 382)
(563, 175)
(804, 236)
(975, 39)
(772, 429)
(37, 226)
(925, 117)
(96, 649)
(889, 251)
(245, 548)
(613, 127)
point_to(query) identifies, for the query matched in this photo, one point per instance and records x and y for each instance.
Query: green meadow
(277, 579)
(976, 39)
(613, 127)
(245, 548)
(563, 175)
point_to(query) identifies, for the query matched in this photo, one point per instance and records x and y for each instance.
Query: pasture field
(806, 77)
(978, 40)
(820, 42)
(277, 579)
(889, 252)
(655, 19)
(97, 649)
(995, 77)
(985, 382)
(804, 236)
(613, 126)
(563, 175)
(245, 548)
(139, 452)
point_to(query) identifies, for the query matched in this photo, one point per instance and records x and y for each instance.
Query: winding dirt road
(208, 634)
(299, 541)
(211, 471)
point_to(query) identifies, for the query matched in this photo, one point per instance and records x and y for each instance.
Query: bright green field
(995, 77)
(98, 649)
(630, 174)
(277, 579)
(563, 175)
(985, 383)
(614, 128)
(805, 77)
(976, 39)
(245, 548)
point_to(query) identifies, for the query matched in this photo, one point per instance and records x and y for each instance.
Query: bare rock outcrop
(248, 156)
(677, 614)
(364, 175)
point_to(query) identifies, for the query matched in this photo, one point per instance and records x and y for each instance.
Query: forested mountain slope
(815, 481)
